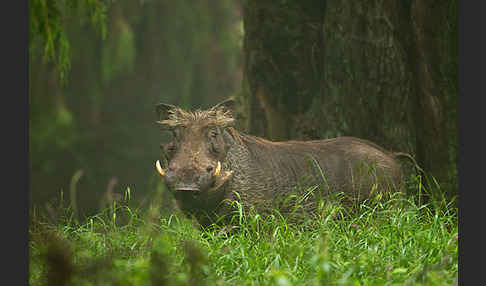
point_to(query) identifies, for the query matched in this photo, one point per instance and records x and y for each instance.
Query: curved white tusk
(159, 168)
(217, 170)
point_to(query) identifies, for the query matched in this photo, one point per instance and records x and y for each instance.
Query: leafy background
(97, 69)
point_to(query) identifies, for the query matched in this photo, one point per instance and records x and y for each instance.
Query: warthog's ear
(226, 105)
(162, 110)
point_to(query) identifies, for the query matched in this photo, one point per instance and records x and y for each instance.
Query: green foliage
(47, 28)
(381, 242)
(122, 61)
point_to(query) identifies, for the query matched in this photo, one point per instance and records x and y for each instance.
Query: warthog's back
(265, 170)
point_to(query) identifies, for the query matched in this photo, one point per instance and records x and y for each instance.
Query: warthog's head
(195, 156)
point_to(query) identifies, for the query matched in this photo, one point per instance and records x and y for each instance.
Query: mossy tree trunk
(427, 34)
(283, 62)
(379, 70)
(430, 119)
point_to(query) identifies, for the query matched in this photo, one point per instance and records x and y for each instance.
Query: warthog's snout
(189, 178)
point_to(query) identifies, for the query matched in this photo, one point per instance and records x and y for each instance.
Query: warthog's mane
(214, 116)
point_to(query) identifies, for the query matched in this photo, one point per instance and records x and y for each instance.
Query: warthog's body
(255, 171)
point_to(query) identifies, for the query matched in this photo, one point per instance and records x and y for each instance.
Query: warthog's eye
(213, 133)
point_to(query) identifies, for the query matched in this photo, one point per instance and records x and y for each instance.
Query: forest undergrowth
(393, 241)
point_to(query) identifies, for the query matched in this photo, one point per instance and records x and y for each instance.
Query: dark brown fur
(261, 172)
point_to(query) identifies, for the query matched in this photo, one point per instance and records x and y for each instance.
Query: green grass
(392, 242)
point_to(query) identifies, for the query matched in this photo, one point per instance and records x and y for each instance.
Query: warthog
(209, 163)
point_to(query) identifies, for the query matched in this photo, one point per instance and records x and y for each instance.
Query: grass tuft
(392, 241)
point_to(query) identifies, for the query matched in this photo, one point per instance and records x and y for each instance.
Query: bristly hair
(214, 116)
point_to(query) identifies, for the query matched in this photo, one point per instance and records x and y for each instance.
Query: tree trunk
(283, 63)
(370, 69)
(419, 33)
(432, 139)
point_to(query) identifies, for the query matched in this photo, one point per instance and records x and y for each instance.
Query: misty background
(101, 118)
(383, 71)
